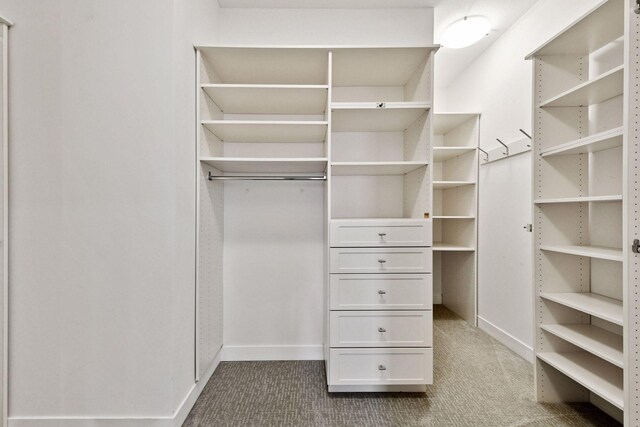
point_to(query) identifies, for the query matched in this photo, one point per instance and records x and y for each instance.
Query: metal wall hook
(505, 147)
(485, 153)
(527, 135)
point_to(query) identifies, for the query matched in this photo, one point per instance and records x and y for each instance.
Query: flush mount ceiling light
(465, 32)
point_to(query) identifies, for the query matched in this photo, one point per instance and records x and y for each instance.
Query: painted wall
(499, 85)
(102, 207)
(273, 269)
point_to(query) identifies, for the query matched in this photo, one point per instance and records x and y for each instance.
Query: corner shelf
(375, 168)
(268, 99)
(267, 130)
(600, 377)
(368, 117)
(266, 165)
(601, 88)
(598, 252)
(590, 144)
(597, 341)
(441, 154)
(605, 308)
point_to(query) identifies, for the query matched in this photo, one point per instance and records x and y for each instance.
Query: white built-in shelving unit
(455, 208)
(582, 257)
(359, 119)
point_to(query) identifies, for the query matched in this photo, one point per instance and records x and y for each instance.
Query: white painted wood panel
(381, 292)
(384, 260)
(383, 233)
(400, 366)
(381, 328)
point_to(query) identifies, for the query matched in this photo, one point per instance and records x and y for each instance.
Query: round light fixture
(465, 32)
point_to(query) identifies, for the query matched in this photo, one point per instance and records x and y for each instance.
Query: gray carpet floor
(478, 382)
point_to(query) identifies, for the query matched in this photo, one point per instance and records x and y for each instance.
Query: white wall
(102, 207)
(499, 85)
(273, 268)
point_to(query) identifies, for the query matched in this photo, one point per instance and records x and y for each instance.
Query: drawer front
(381, 329)
(383, 260)
(381, 292)
(376, 366)
(376, 233)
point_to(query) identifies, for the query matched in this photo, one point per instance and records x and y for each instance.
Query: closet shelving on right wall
(578, 182)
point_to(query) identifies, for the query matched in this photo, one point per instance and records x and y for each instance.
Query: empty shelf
(590, 144)
(443, 123)
(601, 88)
(453, 217)
(368, 117)
(599, 26)
(375, 168)
(267, 131)
(268, 99)
(599, 252)
(440, 185)
(265, 165)
(608, 309)
(592, 199)
(597, 341)
(446, 247)
(441, 154)
(600, 377)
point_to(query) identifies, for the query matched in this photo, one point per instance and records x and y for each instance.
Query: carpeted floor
(478, 382)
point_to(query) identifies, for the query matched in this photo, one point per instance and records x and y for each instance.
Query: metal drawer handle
(382, 368)
(382, 234)
(382, 261)
(382, 330)
(381, 292)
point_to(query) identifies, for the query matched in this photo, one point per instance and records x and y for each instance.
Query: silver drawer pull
(381, 292)
(382, 368)
(382, 234)
(382, 261)
(382, 330)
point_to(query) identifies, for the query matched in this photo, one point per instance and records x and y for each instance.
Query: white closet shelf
(599, 252)
(590, 144)
(600, 377)
(596, 28)
(367, 117)
(447, 247)
(266, 165)
(377, 66)
(453, 217)
(443, 123)
(601, 88)
(267, 130)
(441, 154)
(374, 168)
(591, 199)
(441, 185)
(268, 99)
(597, 341)
(605, 308)
(260, 65)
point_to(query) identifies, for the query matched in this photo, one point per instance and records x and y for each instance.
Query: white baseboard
(237, 353)
(517, 346)
(176, 421)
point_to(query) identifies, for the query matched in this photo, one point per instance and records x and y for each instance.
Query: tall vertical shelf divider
(581, 253)
(455, 209)
(359, 118)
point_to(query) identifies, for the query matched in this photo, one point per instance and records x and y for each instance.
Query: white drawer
(381, 328)
(381, 292)
(372, 366)
(352, 233)
(382, 260)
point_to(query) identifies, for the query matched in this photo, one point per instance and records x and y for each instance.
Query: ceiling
(449, 62)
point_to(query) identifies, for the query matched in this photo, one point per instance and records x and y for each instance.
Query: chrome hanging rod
(267, 178)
